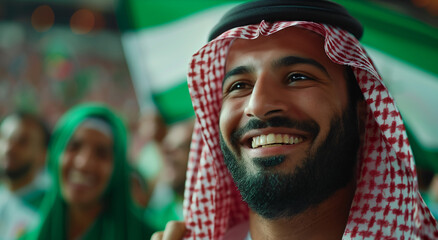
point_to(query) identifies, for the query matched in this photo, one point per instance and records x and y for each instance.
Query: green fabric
(158, 217)
(34, 199)
(396, 34)
(424, 157)
(139, 14)
(175, 104)
(408, 40)
(118, 220)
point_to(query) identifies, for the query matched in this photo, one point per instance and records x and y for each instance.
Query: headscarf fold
(386, 205)
(118, 219)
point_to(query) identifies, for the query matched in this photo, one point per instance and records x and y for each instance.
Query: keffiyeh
(387, 203)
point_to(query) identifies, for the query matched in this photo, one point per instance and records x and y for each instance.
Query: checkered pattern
(387, 204)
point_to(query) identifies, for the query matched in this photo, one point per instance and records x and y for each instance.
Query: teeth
(78, 178)
(274, 140)
(270, 139)
(262, 140)
(285, 138)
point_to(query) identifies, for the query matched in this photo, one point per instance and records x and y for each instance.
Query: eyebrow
(282, 62)
(292, 60)
(237, 71)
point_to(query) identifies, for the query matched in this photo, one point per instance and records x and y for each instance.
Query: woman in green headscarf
(91, 197)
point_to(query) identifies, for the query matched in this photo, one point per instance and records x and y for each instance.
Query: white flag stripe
(415, 92)
(166, 49)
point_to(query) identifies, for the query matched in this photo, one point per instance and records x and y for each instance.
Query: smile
(272, 139)
(76, 177)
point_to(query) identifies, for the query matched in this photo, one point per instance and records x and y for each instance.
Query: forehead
(16, 126)
(290, 41)
(92, 136)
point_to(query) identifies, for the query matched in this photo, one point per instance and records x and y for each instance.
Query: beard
(18, 173)
(331, 167)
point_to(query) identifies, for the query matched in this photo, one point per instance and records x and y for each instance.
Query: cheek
(106, 170)
(65, 164)
(230, 117)
(321, 105)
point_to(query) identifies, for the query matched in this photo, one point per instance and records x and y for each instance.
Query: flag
(405, 52)
(159, 38)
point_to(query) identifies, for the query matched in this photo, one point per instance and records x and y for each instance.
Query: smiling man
(296, 136)
(24, 137)
(287, 124)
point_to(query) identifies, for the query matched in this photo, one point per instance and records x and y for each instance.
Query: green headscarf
(118, 220)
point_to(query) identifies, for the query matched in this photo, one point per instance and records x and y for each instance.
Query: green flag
(159, 38)
(405, 52)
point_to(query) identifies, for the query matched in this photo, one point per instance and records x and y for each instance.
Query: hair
(354, 93)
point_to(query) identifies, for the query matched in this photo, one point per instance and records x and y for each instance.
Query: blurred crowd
(49, 73)
(77, 158)
(77, 178)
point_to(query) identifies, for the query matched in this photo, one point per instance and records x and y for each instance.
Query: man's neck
(325, 221)
(81, 219)
(16, 184)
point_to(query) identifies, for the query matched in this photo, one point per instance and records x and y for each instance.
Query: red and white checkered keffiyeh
(387, 203)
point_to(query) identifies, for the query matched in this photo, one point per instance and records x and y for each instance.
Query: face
(176, 148)
(21, 147)
(286, 123)
(86, 167)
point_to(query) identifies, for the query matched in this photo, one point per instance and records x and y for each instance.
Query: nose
(266, 99)
(83, 159)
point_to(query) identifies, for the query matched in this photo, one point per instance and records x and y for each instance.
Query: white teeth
(279, 138)
(262, 140)
(274, 140)
(79, 178)
(270, 139)
(285, 138)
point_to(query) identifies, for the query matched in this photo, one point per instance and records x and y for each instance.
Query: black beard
(17, 173)
(331, 167)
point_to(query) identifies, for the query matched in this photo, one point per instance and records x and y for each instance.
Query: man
(167, 200)
(292, 112)
(23, 143)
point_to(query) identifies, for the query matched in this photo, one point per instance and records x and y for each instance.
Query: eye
(103, 152)
(293, 77)
(73, 146)
(238, 85)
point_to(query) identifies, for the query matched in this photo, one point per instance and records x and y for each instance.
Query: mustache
(309, 126)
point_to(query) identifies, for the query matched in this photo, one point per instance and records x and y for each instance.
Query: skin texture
(287, 75)
(174, 230)
(86, 167)
(22, 151)
(266, 92)
(89, 156)
(271, 77)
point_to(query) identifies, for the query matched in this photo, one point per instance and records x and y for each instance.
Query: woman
(90, 198)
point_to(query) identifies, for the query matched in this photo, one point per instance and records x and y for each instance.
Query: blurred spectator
(167, 199)
(139, 188)
(147, 156)
(91, 200)
(428, 186)
(431, 198)
(23, 142)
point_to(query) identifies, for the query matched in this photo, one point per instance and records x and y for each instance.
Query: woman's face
(86, 167)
